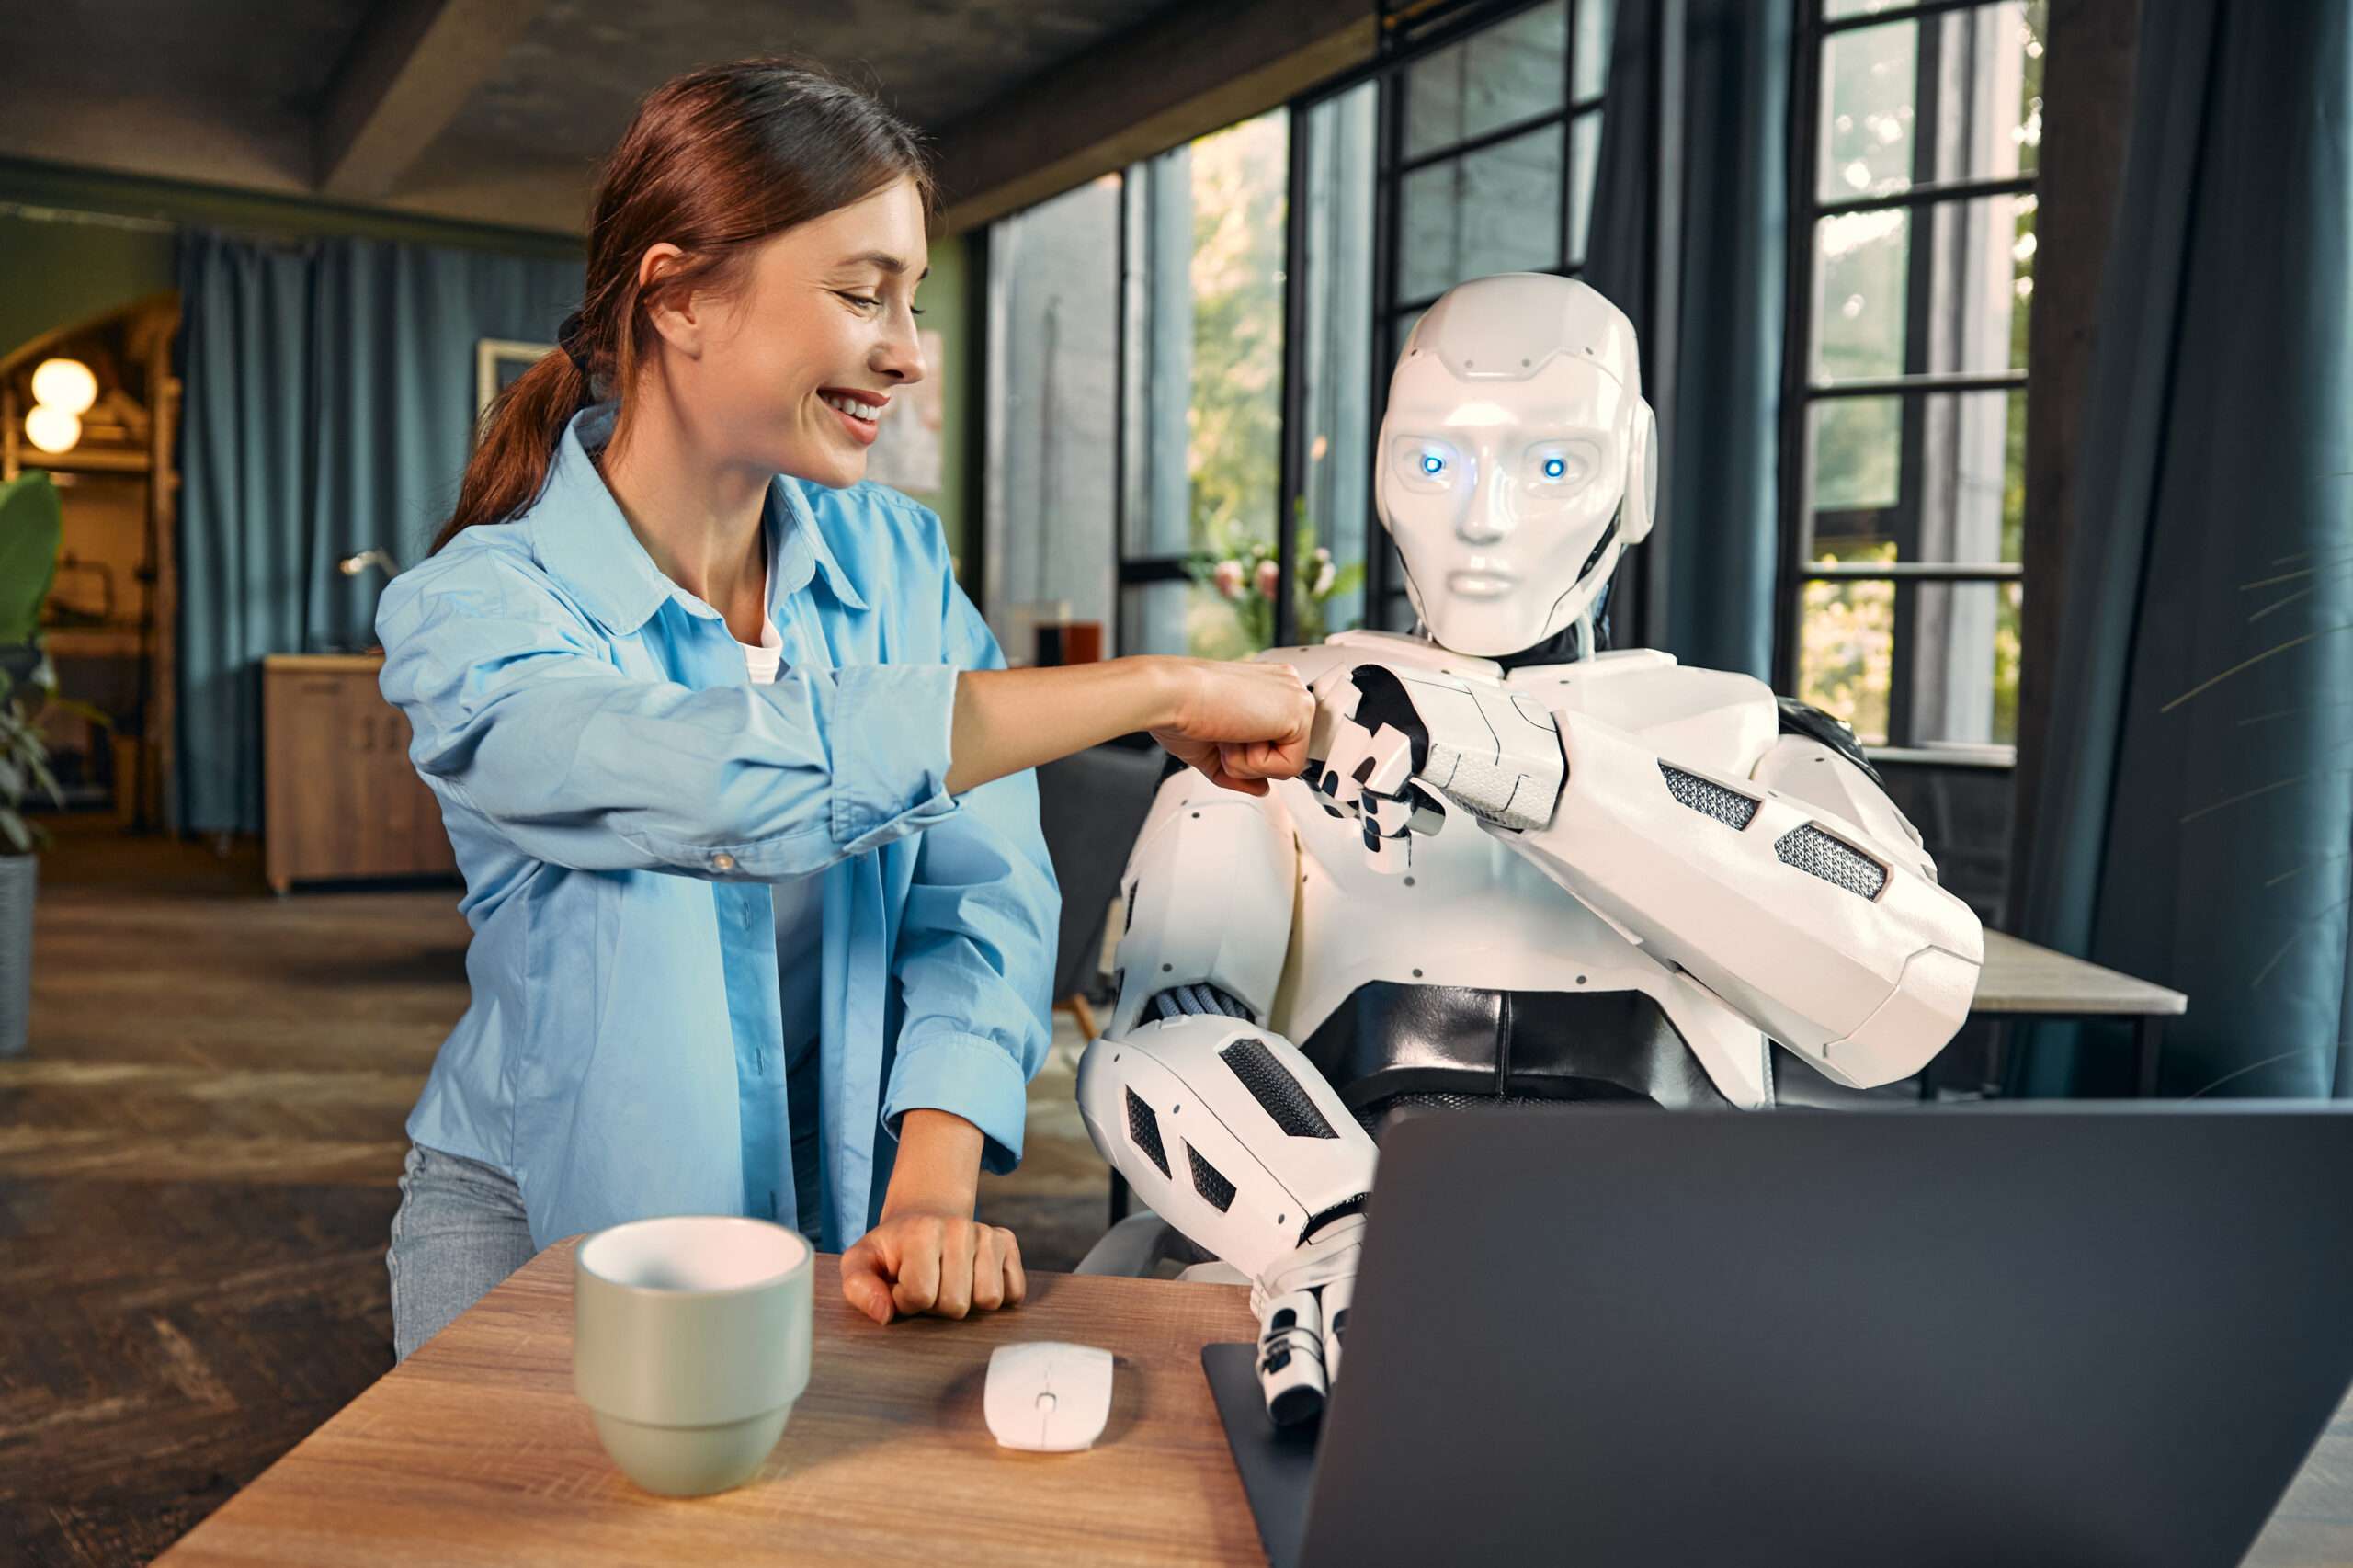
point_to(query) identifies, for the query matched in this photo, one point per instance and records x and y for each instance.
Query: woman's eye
(861, 300)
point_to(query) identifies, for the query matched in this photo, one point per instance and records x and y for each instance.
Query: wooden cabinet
(342, 799)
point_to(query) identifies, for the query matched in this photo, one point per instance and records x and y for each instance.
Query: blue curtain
(1719, 526)
(329, 403)
(2194, 822)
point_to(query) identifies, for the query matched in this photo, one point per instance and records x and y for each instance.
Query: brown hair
(714, 162)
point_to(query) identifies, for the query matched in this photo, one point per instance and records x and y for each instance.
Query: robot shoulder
(1804, 719)
(1398, 651)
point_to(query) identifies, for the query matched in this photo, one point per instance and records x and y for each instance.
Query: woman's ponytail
(714, 162)
(519, 432)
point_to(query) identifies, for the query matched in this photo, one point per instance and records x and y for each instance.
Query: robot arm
(1209, 892)
(1219, 1124)
(1798, 894)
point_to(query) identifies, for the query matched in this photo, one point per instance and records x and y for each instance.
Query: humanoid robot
(1519, 868)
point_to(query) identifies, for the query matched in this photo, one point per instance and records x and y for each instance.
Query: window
(1903, 417)
(1469, 150)
(1051, 477)
(1202, 410)
(1185, 353)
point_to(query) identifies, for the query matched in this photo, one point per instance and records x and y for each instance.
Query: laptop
(2037, 1332)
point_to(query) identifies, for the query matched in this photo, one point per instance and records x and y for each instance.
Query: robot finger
(1334, 1304)
(1336, 708)
(1390, 855)
(1387, 764)
(1347, 764)
(1290, 1359)
(1429, 817)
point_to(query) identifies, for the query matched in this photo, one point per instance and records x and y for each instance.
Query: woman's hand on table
(928, 1254)
(1241, 723)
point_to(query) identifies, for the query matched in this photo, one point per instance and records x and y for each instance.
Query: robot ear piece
(1641, 506)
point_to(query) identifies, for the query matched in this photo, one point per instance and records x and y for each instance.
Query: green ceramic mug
(689, 1343)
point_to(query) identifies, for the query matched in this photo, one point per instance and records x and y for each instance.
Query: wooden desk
(2023, 981)
(475, 1451)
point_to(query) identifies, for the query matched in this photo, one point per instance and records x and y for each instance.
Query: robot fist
(1493, 752)
(1303, 1307)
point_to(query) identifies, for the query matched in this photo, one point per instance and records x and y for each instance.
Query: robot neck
(1588, 633)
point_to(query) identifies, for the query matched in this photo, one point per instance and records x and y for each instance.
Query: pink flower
(1270, 575)
(1228, 578)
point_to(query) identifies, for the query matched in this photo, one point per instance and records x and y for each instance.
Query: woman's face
(825, 325)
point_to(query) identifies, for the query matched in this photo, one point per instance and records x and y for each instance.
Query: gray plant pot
(16, 873)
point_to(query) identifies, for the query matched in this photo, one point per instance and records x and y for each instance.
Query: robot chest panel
(1467, 912)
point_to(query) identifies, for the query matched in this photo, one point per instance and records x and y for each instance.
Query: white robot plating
(1519, 868)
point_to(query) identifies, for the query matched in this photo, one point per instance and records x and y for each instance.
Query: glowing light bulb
(53, 429)
(66, 385)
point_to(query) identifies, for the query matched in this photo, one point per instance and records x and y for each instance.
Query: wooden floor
(197, 1158)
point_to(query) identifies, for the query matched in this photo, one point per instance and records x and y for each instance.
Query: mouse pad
(1278, 1464)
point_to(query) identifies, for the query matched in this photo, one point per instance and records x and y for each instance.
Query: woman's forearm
(939, 1164)
(1009, 719)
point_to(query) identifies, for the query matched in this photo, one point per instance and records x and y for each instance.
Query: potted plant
(24, 768)
(1242, 574)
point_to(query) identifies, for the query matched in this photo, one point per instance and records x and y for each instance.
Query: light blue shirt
(621, 798)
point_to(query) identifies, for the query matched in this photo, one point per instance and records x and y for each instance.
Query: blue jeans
(460, 1230)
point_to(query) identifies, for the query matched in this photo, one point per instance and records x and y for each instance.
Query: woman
(735, 773)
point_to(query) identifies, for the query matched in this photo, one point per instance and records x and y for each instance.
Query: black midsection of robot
(1393, 1046)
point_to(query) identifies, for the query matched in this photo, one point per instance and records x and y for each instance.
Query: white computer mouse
(1048, 1397)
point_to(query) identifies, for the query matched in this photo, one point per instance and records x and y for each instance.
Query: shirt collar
(589, 547)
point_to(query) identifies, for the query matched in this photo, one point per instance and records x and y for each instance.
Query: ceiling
(484, 110)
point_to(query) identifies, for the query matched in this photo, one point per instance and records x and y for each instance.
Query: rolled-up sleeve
(976, 949)
(518, 715)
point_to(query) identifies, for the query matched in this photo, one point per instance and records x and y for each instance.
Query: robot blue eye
(1433, 463)
(1554, 468)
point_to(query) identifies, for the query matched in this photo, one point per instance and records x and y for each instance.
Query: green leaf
(19, 833)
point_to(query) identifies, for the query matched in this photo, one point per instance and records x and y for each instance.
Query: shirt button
(723, 861)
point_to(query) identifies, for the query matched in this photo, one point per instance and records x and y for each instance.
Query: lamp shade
(66, 385)
(53, 429)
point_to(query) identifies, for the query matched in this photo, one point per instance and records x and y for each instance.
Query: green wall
(79, 243)
(947, 309)
(57, 271)
(76, 243)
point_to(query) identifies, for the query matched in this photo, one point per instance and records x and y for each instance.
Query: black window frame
(1913, 387)
(1410, 30)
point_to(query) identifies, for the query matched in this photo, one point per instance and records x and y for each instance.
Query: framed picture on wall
(499, 362)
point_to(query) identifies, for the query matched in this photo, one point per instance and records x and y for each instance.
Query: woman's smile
(861, 412)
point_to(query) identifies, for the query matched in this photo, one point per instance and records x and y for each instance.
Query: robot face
(1502, 486)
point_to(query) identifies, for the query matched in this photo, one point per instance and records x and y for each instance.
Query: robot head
(1517, 459)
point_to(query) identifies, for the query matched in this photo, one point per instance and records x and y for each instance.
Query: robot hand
(1492, 751)
(1303, 1307)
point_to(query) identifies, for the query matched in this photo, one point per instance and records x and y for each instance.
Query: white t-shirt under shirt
(800, 952)
(799, 911)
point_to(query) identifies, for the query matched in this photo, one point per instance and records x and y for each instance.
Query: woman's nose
(900, 354)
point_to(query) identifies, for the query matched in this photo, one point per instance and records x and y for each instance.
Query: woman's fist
(922, 1260)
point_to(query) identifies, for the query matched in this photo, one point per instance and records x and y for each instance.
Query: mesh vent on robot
(1817, 853)
(1215, 1190)
(1143, 1132)
(1274, 1090)
(1707, 797)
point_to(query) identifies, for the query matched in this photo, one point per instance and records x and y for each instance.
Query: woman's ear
(674, 314)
